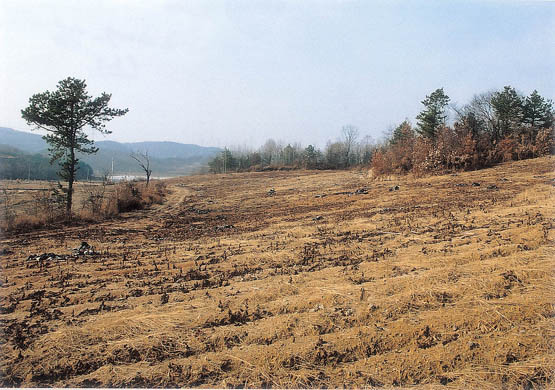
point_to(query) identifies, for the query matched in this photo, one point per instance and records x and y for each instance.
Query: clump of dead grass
(136, 196)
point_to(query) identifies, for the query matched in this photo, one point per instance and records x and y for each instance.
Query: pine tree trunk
(71, 177)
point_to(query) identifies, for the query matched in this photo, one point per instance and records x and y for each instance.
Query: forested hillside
(16, 164)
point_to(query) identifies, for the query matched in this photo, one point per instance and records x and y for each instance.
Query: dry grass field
(25, 197)
(333, 280)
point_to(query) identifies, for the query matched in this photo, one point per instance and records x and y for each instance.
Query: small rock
(84, 249)
(493, 187)
(43, 259)
(394, 188)
(271, 192)
(317, 218)
(5, 251)
(475, 184)
(318, 307)
(224, 227)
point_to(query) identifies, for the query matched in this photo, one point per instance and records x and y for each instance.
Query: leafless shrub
(95, 202)
(49, 204)
(8, 214)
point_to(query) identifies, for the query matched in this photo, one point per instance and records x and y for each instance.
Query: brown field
(438, 284)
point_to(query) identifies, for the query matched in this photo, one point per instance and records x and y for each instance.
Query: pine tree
(433, 116)
(402, 132)
(508, 109)
(65, 114)
(310, 157)
(537, 111)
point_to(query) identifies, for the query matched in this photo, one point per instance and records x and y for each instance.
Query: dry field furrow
(334, 279)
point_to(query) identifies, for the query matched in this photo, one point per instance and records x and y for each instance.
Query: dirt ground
(334, 279)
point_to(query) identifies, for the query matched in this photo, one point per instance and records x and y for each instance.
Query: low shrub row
(99, 202)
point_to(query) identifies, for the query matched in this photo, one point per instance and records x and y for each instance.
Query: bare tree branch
(144, 162)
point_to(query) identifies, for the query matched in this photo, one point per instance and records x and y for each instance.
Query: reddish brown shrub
(544, 145)
(380, 165)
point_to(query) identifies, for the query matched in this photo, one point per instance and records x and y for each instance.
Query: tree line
(347, 152)
(494, 126)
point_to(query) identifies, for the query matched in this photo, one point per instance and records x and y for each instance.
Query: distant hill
(22, 140)
(16, 164)
(161, 149)
(167, 158)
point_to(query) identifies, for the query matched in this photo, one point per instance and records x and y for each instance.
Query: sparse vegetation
(293, 280)
(24, 210)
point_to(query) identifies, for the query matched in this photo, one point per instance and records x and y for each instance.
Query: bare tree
(96, 194)
(270, 152)
(144, 162)
(481, 110)
(365, 147)
(350, 135)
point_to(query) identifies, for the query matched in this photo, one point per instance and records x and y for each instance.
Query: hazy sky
(238, 72)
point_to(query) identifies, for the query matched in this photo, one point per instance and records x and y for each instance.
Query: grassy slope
(429, 285)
